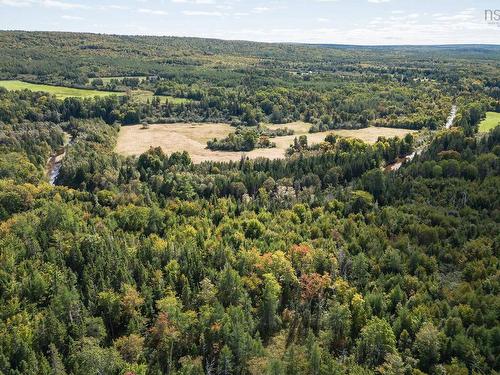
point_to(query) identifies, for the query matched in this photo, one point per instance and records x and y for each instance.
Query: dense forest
(323, 262)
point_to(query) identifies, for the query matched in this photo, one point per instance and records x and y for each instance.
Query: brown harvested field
(133, 140)
(368, 135)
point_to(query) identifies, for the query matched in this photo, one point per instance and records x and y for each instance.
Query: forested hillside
(246, 82)
(323, 262)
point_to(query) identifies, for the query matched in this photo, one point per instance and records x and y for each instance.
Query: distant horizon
(256, 41)
(342, 22)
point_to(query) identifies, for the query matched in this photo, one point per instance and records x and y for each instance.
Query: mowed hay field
(59, 91)
(191, 137)
(491, 121)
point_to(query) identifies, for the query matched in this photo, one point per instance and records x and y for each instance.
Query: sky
(365, 22)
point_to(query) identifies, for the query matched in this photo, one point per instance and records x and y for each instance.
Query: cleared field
(368, 135)
(59, 91)
(491, 120)
(133, 140)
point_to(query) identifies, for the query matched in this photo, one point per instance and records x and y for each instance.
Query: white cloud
(153, 11)
(202, 13)
(45, 3)
(72, 18)
(16, 3)
(116, 6)
(62, 4)
(251, 20)
(194, 1)
(464, 15)
(261, 9)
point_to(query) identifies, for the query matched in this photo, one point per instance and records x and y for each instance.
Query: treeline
(25, 105)
(241, 141)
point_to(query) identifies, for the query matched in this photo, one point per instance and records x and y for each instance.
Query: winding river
(451, 117)
(449, 122)
(55, 161)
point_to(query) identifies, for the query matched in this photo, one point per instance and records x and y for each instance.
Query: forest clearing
(193, 137)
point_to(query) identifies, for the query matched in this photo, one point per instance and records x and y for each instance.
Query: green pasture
(60, 91)
(491, 120)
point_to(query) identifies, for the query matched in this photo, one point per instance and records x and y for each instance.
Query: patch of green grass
(491, 121)
(59, 91)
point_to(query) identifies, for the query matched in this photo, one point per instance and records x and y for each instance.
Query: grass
(60, 92)
(491, 121)
(134, 140)
(190, 137)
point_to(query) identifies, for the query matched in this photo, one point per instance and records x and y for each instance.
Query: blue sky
(310, 21)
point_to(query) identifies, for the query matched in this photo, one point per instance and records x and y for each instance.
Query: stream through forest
(449, 122)
(55, 161)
